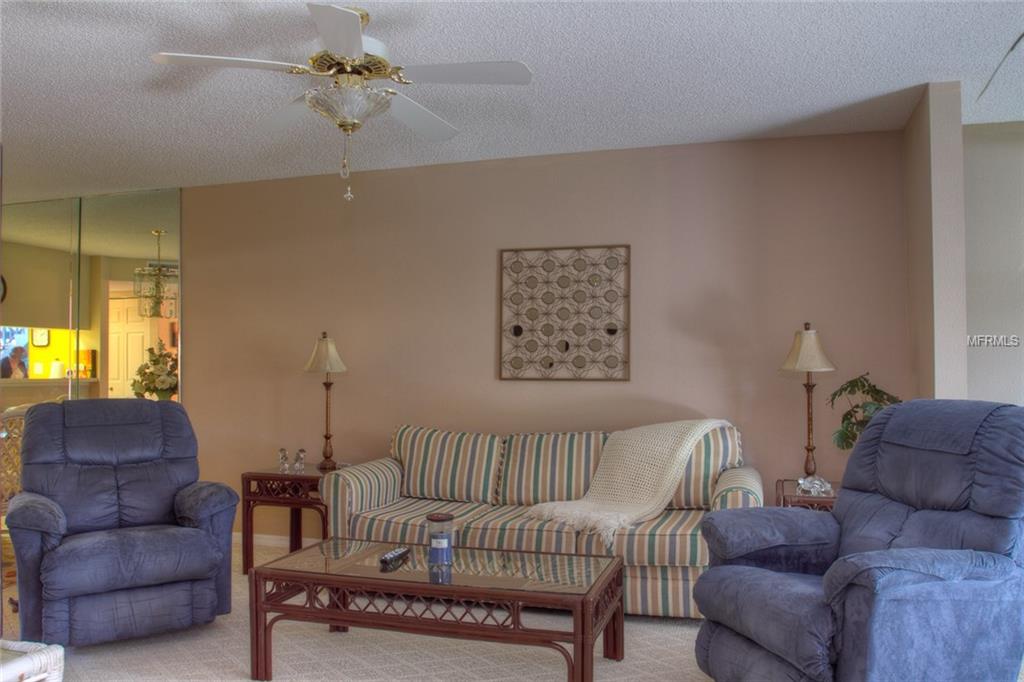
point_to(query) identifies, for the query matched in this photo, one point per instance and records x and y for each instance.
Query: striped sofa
(488, 482)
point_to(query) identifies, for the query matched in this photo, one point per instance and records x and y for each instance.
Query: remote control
(389, 561)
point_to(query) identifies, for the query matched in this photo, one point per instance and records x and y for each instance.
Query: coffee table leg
(257, 629)
(582, 662)
(614, 635)
(583, 644)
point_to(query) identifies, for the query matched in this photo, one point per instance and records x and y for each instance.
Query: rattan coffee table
(338, 583)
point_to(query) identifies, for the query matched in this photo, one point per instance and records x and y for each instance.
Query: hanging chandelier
(156, 285)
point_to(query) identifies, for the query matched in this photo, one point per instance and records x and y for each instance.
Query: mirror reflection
(92, 298)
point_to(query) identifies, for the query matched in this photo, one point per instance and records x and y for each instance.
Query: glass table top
(471, 567)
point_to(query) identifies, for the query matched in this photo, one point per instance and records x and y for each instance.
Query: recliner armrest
(889, 569)
(778, 538)
(31, 511)
(201, 500)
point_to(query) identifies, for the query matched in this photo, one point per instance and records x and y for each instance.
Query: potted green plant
(159, 375)
(871, 400)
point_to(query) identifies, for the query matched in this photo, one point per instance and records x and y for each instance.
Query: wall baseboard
(263, 540)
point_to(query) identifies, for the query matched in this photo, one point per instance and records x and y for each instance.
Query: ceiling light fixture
(348, 103)
(349, 62)
(156, 285)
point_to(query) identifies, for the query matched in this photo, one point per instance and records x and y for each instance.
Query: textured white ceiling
(85, 111)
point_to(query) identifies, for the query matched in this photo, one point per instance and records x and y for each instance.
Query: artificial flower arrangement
(159, 375)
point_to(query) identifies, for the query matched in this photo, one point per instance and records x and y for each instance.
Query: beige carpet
(656, 649)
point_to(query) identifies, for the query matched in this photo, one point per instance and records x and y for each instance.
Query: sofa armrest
(357, 488)
(29, 511)
(777, 538)
(737, 488)
(890, 569)
(196, 502)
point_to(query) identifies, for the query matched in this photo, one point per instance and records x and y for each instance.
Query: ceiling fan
(351, 64)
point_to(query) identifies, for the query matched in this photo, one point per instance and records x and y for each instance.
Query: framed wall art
(565, 314)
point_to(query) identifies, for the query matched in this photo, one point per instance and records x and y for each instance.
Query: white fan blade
(423, 121)
(340, 29)
(469, 73)
(236, 62)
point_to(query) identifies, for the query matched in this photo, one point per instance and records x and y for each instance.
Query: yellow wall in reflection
(61, 349)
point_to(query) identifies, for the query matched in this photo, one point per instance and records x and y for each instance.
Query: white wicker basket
(31, 662)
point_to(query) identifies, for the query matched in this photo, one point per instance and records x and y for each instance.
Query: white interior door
(129, 336)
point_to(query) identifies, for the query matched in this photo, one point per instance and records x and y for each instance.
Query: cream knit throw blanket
(638, 472)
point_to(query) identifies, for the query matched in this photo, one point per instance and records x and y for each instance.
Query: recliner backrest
(109, 463)
(945, 474)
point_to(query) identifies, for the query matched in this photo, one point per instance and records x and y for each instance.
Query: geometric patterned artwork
(565, 313)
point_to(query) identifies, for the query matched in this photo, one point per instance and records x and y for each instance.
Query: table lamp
(807, 355)
(325, 360)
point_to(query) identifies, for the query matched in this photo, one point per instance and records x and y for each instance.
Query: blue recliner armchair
(915, 575)
(113, 535)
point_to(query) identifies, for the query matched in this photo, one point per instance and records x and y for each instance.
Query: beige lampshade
(325, 357)
(807, 355)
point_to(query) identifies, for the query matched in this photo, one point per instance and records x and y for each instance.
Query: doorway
(129, 335)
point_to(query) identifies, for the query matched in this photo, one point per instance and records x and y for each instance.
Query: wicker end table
(274, 489)
(787, 495)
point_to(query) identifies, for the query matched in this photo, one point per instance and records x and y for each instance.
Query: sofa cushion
(510, 528)
(406, 519)
(549, 467)
(720, 449)
(670, 539)
(785, 613)
(105, 560)
(448, 465)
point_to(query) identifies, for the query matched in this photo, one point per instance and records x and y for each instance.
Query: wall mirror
(92, 283)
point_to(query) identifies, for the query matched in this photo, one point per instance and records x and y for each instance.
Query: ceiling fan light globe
(348, 107)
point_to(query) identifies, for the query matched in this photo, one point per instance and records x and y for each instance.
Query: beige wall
(37, 286)
(994, 187)
(734, 246)
(933, 177)
(918, 211)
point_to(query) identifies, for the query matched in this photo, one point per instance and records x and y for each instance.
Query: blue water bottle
(439, 556)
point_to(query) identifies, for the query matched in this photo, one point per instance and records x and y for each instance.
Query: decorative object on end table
(856, 419)
(300, 462)
(807, 355)
(565, 314)
(325, 360)
(788, 493)
(283, 467)
(159, 375)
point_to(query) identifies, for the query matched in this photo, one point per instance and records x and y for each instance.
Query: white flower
(159, 370)
(164, 382)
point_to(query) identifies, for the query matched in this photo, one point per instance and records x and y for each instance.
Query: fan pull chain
(344, 168)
